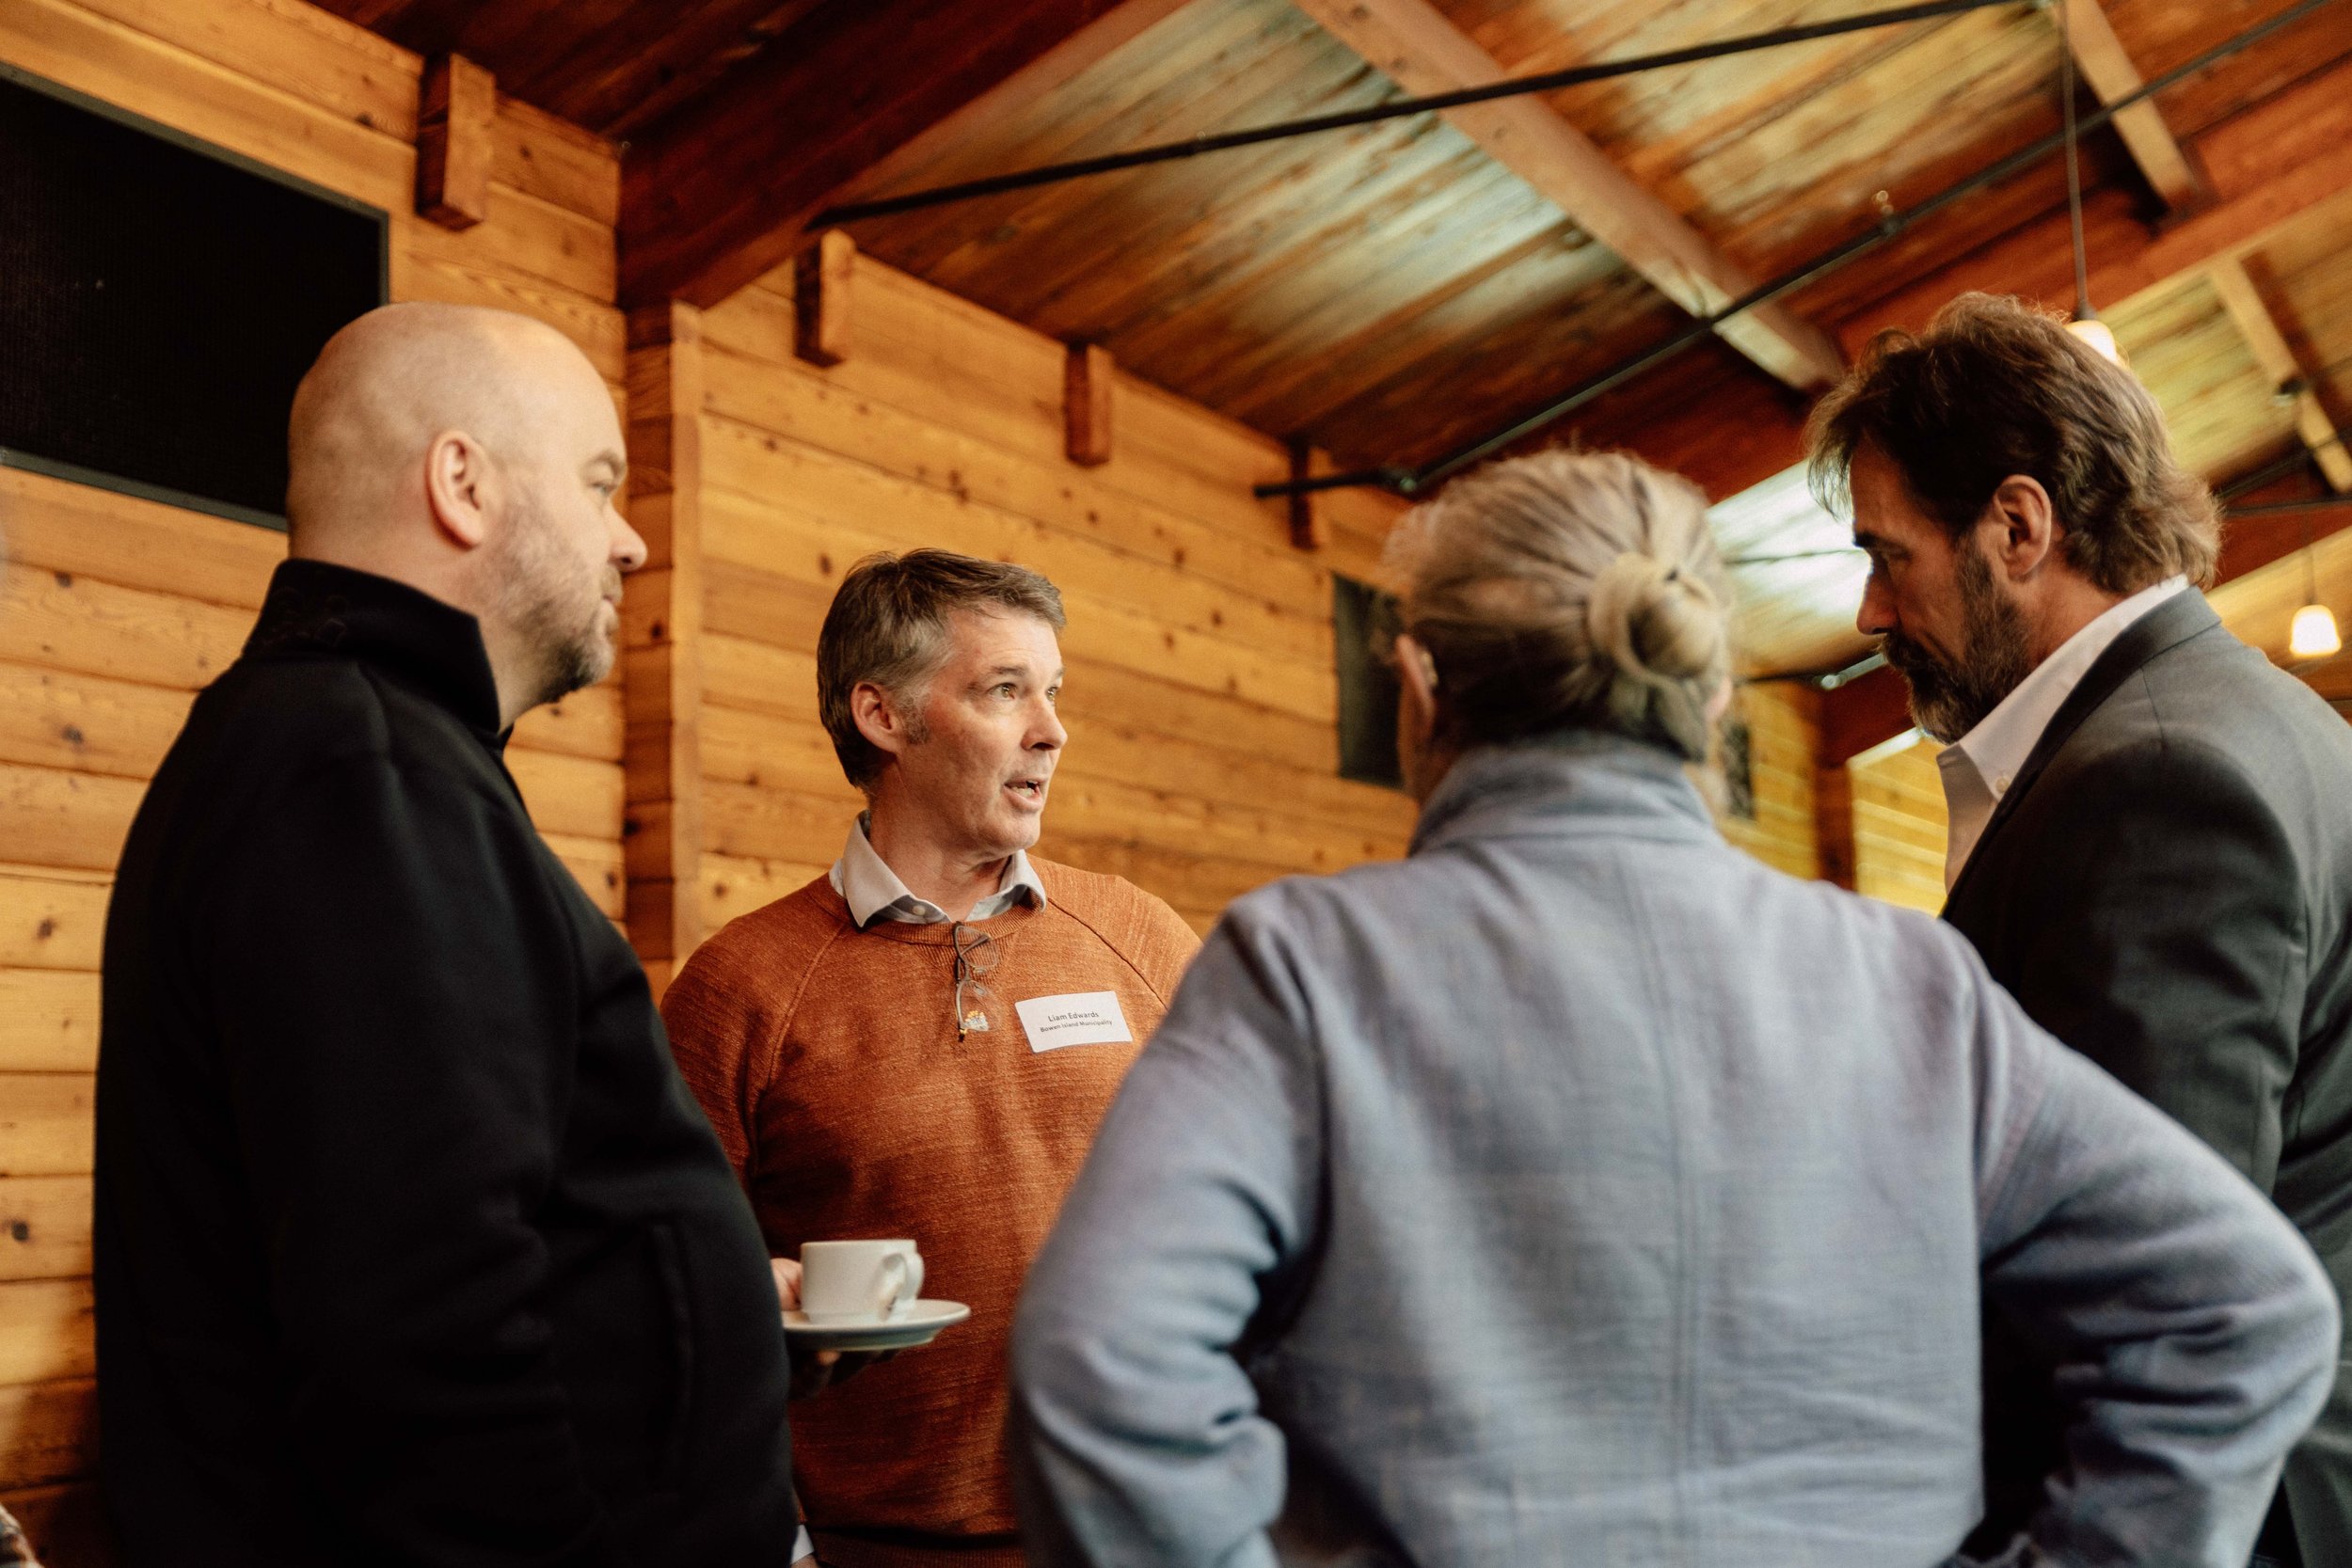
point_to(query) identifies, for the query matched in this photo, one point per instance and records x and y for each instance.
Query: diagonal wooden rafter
(718, 193)
(2111, 75)
(2271, 351)
(1413, 43)
(2277, 164)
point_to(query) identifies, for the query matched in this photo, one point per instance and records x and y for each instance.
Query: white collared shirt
(874, 891)
(1981, 765)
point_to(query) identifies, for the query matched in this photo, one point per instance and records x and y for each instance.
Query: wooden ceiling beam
(1411, 42)
(2255, 324)
(2109, 70)
(718, 192)
(2276, 163)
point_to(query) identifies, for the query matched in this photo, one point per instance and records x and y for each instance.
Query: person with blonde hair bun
(1563, 589)
(1580, 1190)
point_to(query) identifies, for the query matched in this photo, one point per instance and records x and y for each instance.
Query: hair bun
(1656, 623)
(1569, 589)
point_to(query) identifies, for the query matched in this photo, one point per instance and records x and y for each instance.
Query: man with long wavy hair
(2148, 840)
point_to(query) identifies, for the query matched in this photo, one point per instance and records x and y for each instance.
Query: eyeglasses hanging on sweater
(976, 1007)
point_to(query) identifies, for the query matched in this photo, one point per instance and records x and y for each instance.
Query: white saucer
(919, 1325)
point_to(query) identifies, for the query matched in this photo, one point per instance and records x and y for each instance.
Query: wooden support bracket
(457, 104)
(1087, 379)
(822, 279)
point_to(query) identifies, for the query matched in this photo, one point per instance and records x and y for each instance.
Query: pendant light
(2314, 634)
(2085, 324)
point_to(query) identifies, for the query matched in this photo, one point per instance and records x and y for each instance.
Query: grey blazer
(2167, 888)
(1580, 1191)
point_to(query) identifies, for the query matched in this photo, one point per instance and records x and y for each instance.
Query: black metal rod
(1828, 679)
(2278, 469)
(1790, 555)
(1550, 81)
(2266, 508)
(1829, 261)
(2302, 457)
(2073, 163)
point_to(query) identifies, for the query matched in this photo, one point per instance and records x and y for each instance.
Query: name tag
(1083, 1018)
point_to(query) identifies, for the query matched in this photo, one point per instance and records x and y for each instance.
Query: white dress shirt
(874, 891)
(1981, 765)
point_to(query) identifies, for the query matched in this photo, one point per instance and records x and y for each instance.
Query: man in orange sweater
(888, 1052)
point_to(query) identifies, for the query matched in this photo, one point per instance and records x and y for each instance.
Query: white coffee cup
(859, 1282)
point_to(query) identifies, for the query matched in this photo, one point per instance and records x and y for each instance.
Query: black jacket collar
(314, 607)
(2170, 624)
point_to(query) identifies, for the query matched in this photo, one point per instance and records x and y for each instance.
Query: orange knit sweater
(827, 1059)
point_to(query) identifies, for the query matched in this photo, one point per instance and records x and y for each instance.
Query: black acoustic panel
(1365, 625)
(1738, 746)
(159, 301)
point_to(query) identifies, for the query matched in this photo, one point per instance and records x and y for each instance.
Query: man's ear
(884, 727)
(460, 487)
(1416, 717)
(1417, 673)
(2026, 530)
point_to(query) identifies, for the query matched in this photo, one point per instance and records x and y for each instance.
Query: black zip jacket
(411, 1245)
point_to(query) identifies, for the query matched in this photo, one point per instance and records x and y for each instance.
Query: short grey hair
(888, 625)
(1567, 588)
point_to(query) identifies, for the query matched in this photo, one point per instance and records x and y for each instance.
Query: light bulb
(2314, 633)
(2094, 332)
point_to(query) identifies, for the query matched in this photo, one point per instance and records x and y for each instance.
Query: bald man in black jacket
(411, 1245)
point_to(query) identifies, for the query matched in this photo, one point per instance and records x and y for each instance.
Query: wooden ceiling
(613, 67)
(1391, 291)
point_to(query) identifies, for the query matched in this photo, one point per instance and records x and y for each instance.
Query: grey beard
(1947, 701)
(582, 660)
(571, 654)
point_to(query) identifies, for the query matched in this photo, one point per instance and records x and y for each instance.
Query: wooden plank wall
(1898, 823)
(1200, 698)
(114, 611)
(1784, 737)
